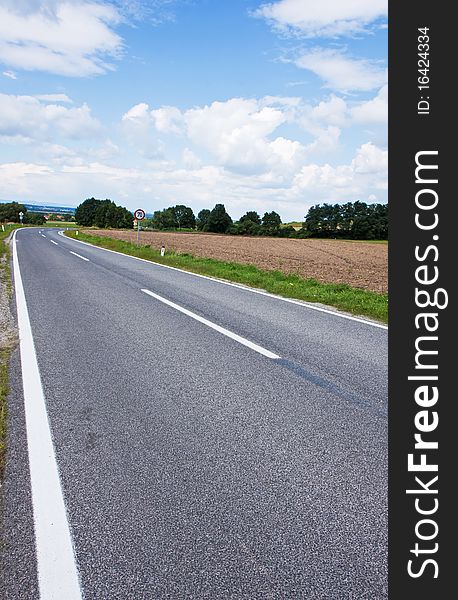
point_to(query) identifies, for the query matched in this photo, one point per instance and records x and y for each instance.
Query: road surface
(207, 441)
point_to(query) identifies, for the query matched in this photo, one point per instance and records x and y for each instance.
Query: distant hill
(46, 208)
(49, 208)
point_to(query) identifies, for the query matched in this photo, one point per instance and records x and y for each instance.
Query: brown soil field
(360, 264)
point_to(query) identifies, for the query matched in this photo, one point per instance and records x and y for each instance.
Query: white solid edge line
(53, 242)
(218, 328)
(240, 287)
(56, 563)
(79, 256)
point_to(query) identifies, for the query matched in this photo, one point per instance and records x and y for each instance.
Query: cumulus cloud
(168, 119)
(326, 18)
(65, 37)
(372, 111)
(332, 111)
(370, 159)
(138, 128)
(237, 133)
(245, 135)
(366, 174)
(26, 116)
(341, 72)
(139, 113)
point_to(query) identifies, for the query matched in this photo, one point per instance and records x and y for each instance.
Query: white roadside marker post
(162, 249)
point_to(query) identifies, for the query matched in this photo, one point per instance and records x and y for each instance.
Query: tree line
(353, 220)
(9, 213)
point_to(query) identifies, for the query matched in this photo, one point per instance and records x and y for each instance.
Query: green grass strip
(5, 353)
(344, 297)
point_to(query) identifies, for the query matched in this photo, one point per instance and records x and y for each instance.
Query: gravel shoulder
(8, 340)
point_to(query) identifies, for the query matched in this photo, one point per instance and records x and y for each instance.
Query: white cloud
(26, 116)
(20, 179)
(10, 74)
(332, 111)
(138, 113)
(168, 119)
(237, 133)
(54, 98)
(64, 37)
(190, 159)
(243, 135)
(341, 72)
(325, 18)
(365, 178)
(370, 159)
(372, 111)
(137, 125)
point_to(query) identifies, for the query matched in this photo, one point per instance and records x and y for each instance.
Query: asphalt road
(192, 465)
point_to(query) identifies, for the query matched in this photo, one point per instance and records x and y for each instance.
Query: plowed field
(360, 264)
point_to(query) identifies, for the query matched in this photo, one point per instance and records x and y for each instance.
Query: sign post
(139, 215)
(21, 216)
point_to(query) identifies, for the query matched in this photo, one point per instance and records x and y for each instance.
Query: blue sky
(259, 105)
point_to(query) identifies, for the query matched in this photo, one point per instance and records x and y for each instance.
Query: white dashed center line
(79, 256)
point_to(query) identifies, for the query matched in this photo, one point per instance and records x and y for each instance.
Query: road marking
(43, 235)
(79, 256)
(53, 242)
(56, 564)
(335, 313)
(222, 330)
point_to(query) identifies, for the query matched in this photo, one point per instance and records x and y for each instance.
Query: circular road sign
(139, 214)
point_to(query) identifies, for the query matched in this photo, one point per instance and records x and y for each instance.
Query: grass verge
(6, 342)
(344, 297)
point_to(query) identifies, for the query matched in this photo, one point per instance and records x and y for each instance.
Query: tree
(219, 221)
(245, 227)
(34, 219)
(271, 223)
(103, 213)
(251, 216)
(286, 232)
(174, 217)
(124, 218)
(85, 212)
(184, 216)
(9, 211)
(164, 219)
(202, 219)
